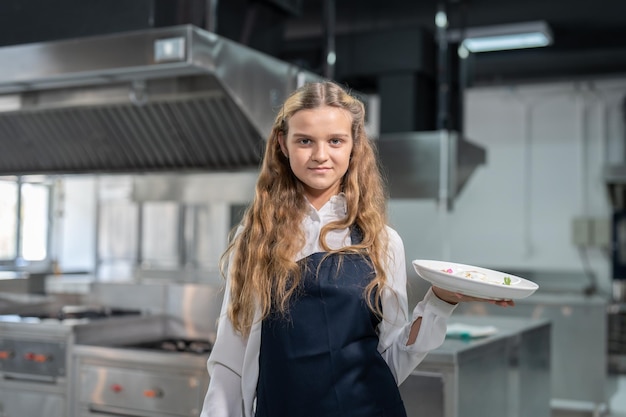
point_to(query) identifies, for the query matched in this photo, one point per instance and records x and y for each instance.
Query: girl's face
(319, 144)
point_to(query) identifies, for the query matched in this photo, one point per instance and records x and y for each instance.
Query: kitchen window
(25, 219)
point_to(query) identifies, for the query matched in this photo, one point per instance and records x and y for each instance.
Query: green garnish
(507, 280)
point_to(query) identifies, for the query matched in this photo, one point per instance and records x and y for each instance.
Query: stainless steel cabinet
(22, 400)
(507, 374)
(579, 344)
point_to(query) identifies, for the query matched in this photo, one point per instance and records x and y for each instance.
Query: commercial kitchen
(130, 140)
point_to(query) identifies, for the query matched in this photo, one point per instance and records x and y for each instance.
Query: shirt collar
(337, 206)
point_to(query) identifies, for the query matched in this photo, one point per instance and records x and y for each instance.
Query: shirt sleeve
(396, 324)
(224, 397)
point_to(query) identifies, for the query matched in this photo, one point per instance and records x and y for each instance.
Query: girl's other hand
(455, 298)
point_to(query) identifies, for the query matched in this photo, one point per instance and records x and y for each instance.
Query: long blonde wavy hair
(261, 257)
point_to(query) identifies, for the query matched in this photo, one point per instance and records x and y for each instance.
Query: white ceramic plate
(473, 280)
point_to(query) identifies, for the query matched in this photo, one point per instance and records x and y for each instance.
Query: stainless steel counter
(578, 339)
(16, 303)
(506, 374)
(13, 282)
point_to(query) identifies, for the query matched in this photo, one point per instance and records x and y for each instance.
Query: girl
(315, 321)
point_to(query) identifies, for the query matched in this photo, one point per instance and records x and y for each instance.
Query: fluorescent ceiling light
(503, 37)
(499, 43)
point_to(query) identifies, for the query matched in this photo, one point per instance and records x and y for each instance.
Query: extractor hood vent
(163, 99)
(181, 130)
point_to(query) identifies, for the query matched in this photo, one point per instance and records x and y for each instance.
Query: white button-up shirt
(234, 361)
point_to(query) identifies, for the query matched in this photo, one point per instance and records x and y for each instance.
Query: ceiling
(589, 37)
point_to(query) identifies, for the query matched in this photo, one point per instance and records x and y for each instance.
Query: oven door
(119, 391)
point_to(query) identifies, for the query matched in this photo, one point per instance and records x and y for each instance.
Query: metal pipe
(443, 93)
(463, 57)
(19, 258)
(180, 232)
(330, 56)
(623, 110)
(139, 249)
(251, 16)
(97, 219)
(443, 81)
(211, 16)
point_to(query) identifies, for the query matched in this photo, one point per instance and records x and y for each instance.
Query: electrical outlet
(600, 232)
(581, 231)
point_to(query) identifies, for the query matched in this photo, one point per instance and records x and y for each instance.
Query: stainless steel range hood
(430, 164)
(177, 98)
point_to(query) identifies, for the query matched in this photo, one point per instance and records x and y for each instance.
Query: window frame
(18, 262)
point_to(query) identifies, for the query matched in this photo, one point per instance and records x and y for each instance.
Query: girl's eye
(304, 141)
(336, 141)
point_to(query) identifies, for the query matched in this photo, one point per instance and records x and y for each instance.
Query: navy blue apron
(321, 359)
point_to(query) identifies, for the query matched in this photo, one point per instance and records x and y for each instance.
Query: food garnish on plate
(476, 275)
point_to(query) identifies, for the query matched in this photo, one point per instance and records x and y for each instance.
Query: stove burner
(69, 312)
(92, 312)
(177, 345)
